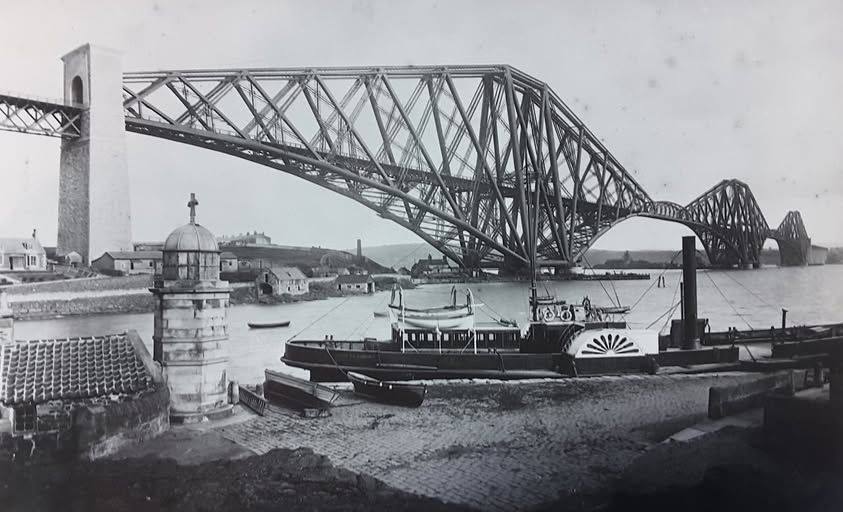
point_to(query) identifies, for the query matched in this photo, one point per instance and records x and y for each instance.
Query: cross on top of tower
(192, 204)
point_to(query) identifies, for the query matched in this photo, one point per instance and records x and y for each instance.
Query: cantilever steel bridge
(485, 163)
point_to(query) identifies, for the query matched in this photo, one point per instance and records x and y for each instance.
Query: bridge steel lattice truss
(485, 163)
(40, 117)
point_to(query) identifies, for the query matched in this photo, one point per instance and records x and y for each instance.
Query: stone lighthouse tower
(191, 323)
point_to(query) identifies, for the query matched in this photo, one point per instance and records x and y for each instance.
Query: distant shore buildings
(118, 263)
(281, 281)
(355, 284)
(19, 254)
(254, 238)
(433, 268)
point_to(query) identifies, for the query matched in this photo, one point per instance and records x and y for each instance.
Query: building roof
(18, 245)
(287, 273)
(133, 255)
(228, 255)
(191, 237)
(354, 279)
(74, 368)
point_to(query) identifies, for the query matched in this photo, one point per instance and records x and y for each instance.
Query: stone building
(355, 283)
(190, 336)
(245, 239)
(229, 262)
(79, 397)
(432, 267)
(282, 280)
(22, 254)
(128, 262)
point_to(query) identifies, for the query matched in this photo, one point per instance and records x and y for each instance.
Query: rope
(320, 318)
(670, 311)
(601, 285)
(760, 299)
(369, 320)
(677, 253)
(727, 300)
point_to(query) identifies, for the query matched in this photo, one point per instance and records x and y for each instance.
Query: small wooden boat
(397, 393)
(380, 314)
(255, 325)
(451, 317)
(298, 393)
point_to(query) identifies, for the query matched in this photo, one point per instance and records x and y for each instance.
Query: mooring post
(690, 339)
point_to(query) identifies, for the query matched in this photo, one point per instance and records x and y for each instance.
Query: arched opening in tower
(76, 90)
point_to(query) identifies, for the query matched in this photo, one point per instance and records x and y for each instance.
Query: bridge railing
(41, 99)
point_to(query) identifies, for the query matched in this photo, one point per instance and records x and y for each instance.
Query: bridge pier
(94, 213)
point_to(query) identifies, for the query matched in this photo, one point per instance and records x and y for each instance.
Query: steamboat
(563, 339)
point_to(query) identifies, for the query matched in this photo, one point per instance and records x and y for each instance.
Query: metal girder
(484, 162)
(40, 117)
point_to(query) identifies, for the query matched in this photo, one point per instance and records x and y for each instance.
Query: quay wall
(41, 309)
(88, 284)
(91, 431)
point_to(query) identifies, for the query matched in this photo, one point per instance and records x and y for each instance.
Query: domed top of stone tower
(191, 252)
(191, 237)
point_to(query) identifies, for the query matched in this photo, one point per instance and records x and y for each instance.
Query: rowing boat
(255, 325)
(398, 393)
(296, 392)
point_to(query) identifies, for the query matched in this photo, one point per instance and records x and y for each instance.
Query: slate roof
(287, 273)
(354, 279)
(66, 369)
(227, 255)
(134, 255)
(19, 245)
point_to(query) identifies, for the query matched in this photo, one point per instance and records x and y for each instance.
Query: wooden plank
(253, 401)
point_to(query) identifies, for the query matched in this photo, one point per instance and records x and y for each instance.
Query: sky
(684, 94)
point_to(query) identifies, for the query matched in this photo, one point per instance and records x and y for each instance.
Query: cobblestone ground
(495, 445)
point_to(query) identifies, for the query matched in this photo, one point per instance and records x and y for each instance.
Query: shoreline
(135, 300)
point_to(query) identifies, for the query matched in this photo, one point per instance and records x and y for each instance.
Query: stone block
(725, 400)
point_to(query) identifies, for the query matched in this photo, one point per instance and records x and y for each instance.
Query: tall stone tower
(190, 336)
(94, 177)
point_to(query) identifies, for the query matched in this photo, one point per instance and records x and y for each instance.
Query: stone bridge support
(94, 213)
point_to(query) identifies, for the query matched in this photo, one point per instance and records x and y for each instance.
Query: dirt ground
(279, 480)
(581, 445)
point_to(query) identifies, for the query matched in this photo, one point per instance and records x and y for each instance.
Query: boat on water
(297, 393)
(397, 393)
(270, 325)
(450, 317)
(380, 314)
(562, 339)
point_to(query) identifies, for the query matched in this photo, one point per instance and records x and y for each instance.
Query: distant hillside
(304, 258)
(399, 255)
(404, 255)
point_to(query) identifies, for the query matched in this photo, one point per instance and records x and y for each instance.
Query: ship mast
(532, 247)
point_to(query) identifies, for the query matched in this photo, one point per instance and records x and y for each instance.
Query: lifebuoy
(566, 315)
(548, 314)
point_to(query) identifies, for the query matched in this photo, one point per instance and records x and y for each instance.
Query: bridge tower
(94, 211)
